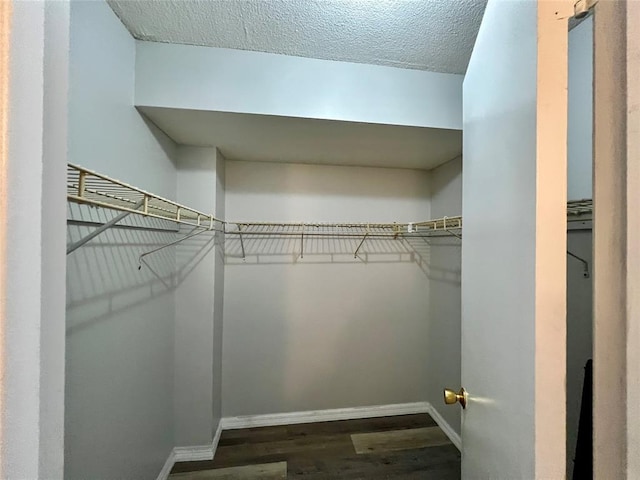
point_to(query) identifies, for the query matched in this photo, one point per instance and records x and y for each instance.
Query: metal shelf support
(74, 246)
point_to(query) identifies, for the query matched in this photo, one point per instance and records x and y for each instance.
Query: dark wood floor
(403, 447)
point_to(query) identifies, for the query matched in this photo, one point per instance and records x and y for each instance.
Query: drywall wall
(55, 142)
(579, 331)
(119, 411)
(207, 78)
(21, 359)
(32, 162)
(443, 349)
(579, 242)
(115, 138)
(580, 126)
(218, 306)
(327, 330)
(196, 283)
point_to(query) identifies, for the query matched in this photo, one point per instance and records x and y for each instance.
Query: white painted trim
(216, 438)
(270, 420)
(191, 454)
(446, 428)
(168, 465)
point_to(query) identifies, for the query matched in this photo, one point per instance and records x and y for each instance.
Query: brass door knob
(451, 397)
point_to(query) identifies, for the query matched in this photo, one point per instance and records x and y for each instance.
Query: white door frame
(616, 235)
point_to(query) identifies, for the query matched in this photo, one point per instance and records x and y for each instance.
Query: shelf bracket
(244, 257)
(585, 264)
(102, 228)
(450, 232)
(193, 233)
(355, 255)
(302, 242)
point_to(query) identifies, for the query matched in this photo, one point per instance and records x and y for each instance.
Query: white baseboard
(216, 438)
(446, 428)
(191, 454)
(270, 420)
(168, 465)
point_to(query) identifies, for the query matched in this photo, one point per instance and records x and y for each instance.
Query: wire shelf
(380, 230)
(90, 188)
(579, 209)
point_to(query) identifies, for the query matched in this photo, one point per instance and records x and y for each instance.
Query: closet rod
(440, 223)
(87, 223)
(267, 234)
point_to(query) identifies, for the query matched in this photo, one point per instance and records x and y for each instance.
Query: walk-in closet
(324, 239)
(261, 262)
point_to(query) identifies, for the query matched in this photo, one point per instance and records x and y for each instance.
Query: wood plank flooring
(405, 447)
(262, 471)
(408, 439)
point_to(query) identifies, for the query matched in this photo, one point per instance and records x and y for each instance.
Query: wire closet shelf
(441, 226)
(579, 210)
(87, 187)
(90, 188)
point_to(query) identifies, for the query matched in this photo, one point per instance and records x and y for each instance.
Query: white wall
(327, 330)
(218, 307)
(205, 78)
(443, 348)
(110, 135)
(31, 305)
(579, 331)
(197, 346)
(579, 144)
(120, 321)
(579, 242)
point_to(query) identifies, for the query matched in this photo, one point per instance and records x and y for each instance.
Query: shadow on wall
(340, 332)
(119, 410)
(104, 277)
(294, 250)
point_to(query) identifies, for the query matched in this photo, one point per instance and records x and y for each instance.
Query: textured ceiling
(435, 35)
(302, 140)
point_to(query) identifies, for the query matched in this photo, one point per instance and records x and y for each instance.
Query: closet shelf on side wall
(90, 188)
(86, 187)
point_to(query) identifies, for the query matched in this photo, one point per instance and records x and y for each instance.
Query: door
(616, 195)
(513, 254)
